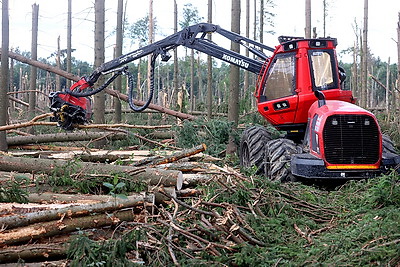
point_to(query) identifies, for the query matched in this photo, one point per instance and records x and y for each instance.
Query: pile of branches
(191, 225)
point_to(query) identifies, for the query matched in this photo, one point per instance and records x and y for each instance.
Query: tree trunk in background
(118, 52)
(192, 80)
(246, 73)
(32, 84)
(364, 58)
(176, 67)
(99, 98)
(151, 40)
(69, 42)
(253, 99)
(308, 19)
(395, 93)
(58, 62)
(387, 88)
(325, 4)
(201, 93)
(233, 103)
(262, 21)
(4, 73)
(355, 72)
(255, 21)
(209, 68)
(11, 83)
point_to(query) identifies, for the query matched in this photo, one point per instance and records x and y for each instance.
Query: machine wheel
(278, 159)
(253, 148)
(388, 145)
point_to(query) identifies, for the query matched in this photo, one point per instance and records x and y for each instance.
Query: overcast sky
(343, 15)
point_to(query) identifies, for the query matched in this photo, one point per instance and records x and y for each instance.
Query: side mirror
(321, 98)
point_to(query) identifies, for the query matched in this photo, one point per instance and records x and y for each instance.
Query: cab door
(278, 99)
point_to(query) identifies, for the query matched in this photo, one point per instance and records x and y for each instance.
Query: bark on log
(160, 198)
(107, 90)
(189, 192)
(49, 198)
(174, 157)
(123, 125)
(132, 155)
(75, 210)
(150, 176)
(67, 225)
(33, 121)
(49, 148)
(194, 179)
(62, 137)
(190, 166)
(33, 252)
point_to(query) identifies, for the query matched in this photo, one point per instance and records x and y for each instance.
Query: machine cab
(298, 67)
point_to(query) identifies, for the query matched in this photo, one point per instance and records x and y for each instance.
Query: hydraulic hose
(131, 86)
(86, 92)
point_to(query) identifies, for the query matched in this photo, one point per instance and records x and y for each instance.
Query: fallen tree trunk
(172, 158)
(32, 122)
(67, 225)
(50, 148)
(33, 252)
(63, 137)
(151, 176)
(75, 210)
(108, 91)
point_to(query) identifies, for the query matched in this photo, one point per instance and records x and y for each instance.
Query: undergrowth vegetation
(214, 133)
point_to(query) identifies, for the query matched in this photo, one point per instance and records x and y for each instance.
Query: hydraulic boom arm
(191, 37)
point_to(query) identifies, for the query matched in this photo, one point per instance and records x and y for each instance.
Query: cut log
(123, 125)
(63, 137)
(33, 252)
(189, 166)
(49, 148)
(67, 225)
(48, 198)
(151, 176)
(174, 157)
(194, 179)
(74, 210)
(189, 192)
(161, 198)
(134, 155)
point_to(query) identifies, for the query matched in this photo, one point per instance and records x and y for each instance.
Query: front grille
(351, 139)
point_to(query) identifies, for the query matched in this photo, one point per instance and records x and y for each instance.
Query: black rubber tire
(388, 145)
(253, 144)
(278, 159)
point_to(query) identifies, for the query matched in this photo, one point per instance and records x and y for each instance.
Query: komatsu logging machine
(300, 90)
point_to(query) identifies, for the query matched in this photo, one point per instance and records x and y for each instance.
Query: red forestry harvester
(299, 90)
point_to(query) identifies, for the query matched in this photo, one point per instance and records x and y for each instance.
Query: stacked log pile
(27, 228)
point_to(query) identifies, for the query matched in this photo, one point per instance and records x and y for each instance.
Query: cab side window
(280, 81)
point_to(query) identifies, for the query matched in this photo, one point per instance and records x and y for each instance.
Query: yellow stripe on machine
(352, 167)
